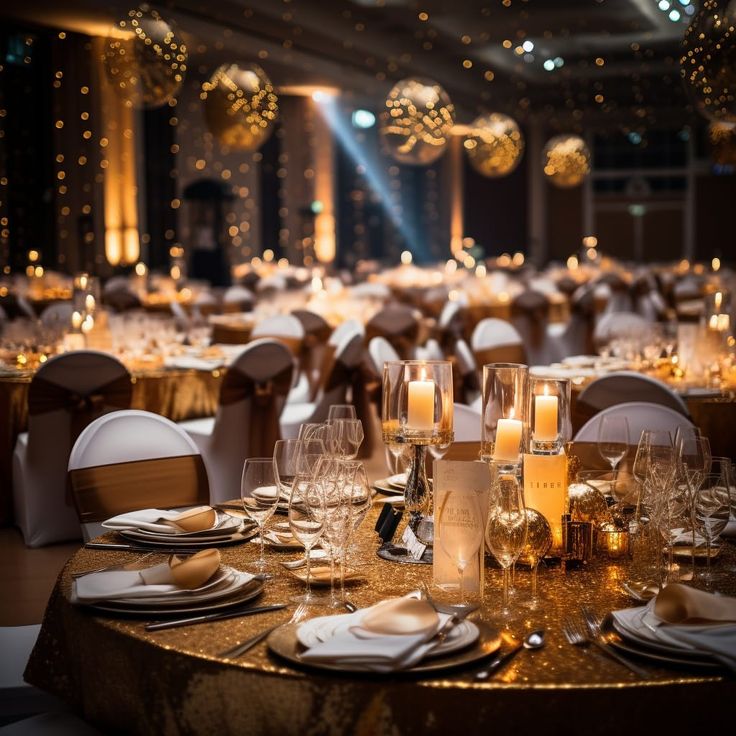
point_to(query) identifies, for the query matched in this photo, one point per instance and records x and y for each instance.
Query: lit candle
(508, 440)
(724, 322)
(420, 409)
(545, 417)
(718, 300)
(713, 322)
(76, 320)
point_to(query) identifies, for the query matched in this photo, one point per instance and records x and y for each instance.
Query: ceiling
(609, 63)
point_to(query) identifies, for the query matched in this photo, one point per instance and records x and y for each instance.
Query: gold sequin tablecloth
(171, 682)
(176, 394)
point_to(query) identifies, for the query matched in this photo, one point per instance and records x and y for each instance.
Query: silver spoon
(534, 640)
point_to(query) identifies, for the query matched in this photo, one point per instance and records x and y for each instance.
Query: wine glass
(260, 495)
(711, 511)
(348, 437)
(291, 457)
(341, 411)
(538, 542)
(460, 531)
(507, 527)
(661, 477)
(613, 439)
(305, 525)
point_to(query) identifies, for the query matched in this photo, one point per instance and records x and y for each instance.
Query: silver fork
(578, 636)
(241, 648)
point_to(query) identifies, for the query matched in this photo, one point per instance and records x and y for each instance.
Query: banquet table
(123, 679)
(173, 393)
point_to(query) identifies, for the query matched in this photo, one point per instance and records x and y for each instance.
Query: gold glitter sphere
(144, 59)
(495, 145)
(586, 503)
(708, 60)
(722, 139)
(538, 537)
(417, 121)
(566, 160)
(240, 106)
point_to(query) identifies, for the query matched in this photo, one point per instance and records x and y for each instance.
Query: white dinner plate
(242, 535)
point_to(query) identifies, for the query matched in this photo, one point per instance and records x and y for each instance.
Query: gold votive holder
(613, 543)
(577, 542)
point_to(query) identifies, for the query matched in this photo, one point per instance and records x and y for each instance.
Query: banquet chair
(496, 341)
(350, 327)
(614, 325)
(288, 330)
(119, 296)
(380, 351)
(59, 313)
(466, 424)
(576, 338)
(619, 299)
(252, 399)
(465, 374)
(450, 325)
(113, 468)
(181, 318)
(345, 374)
(237, 299)
(66, 394)
(627, 386)
(398, 323)
(431, 350)
(317, 332)
(530, 317)
(205, 303)
(15, 306)
(640, 415)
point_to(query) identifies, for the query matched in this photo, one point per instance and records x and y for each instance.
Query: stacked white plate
(227, 529)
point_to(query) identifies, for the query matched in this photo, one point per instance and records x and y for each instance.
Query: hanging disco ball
(144, 59)
(417, 121)
(722, 139)
(240, 106)
(708, 61)
(566, 160)
(495, 145)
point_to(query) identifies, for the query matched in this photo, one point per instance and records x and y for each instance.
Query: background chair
(466, 424)
(398, 323)
(67, 393)
(128, 436)
(252, 398)
(530, 317)
(465, 374)
(59, 313)
(497, 341)
(640, 415)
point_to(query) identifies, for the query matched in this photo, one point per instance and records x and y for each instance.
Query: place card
(415, 548)
(461, 490)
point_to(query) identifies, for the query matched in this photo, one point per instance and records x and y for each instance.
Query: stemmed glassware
(293, 457)
(305, 525)
(506, 529)
(613, 440)
(347, 436)
(538, 542)
(711, 511)
(260, 495)
(341, 411)
(461, 531)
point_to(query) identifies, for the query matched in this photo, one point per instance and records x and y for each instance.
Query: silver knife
(213, 617)
(140, 548)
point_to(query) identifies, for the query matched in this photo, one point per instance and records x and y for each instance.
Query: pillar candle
(420, 410)
(545, 418)
(508, 440)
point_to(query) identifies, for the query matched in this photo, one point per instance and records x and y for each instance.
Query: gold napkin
(199, 519)
(189, 572)
(680, 604)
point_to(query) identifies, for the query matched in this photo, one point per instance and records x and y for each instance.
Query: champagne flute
(460, 531)
(260, 495)
(305, 525)
(506, 529)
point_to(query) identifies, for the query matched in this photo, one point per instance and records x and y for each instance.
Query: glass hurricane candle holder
(505, 397)
(549, 415)
(417, 411)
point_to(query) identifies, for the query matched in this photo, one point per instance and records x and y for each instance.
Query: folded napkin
(192, 363)
(199, 519)
(174, 575)
(353, 643)
(680, 604)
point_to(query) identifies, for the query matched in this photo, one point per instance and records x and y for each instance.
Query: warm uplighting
(268, 255)
(283, 263)
(572, 262)
(140, 269)
(518, 259)
(591, 253)
(504, 260)
(480, 271)
(715, 264)
(590, 241)
(33, 256)
(38, 272)
(451, 266)
(406, 257)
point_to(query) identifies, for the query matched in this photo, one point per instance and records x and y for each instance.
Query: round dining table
(122, 678)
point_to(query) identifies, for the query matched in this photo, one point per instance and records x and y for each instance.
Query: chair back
(465, 373)
(466, 424)
(530, 315)
(348, 328)
(380, 351)
(613, 325)
(284, 327)
(640, 415)
(59, 313)
(497, 341)
(130, 460)
(399, 325)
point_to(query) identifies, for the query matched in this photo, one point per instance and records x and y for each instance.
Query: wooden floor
(27, 576)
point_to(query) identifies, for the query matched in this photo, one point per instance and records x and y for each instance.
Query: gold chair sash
(500, 354)
(45, 396)
(103, 491)
(268, 400)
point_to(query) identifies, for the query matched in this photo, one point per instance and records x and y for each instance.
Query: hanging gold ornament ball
(566, 160)
(240, 106)
(494, 144)
(586, 503)
(144, 59)
(416, 124)
(708, 60)
(538, 537)
(722, 139)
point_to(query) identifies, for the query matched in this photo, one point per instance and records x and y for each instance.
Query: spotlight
(363, 119)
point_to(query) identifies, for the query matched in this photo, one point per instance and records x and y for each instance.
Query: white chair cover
(449, 312)
(225, 440)
(238, 295)
(466, 424)
(468, 370)
(282, 325)
(627, 386)
(59, 313)
(348, 328)
(42, 454)
(126, 436)
(619, 324)
(380, 350)
(640, 415)
(492, 332)
(431, 350)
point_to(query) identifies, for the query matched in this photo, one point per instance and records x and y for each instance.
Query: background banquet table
(173, 393)
(170, 682)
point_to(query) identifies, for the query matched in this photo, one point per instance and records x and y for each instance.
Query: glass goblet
(260, 495)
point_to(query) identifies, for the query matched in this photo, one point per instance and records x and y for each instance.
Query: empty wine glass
(259, 494)
(711, 507)
(341, 411)
(460, 530)
(306, 527)
(538, 542)
(613, 439)
(348, 437)
(291, 457)
(507, 527)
